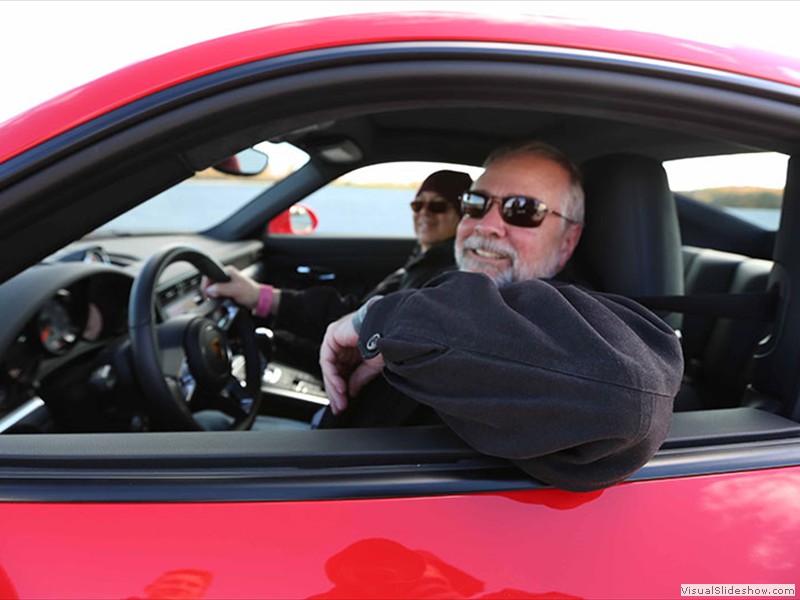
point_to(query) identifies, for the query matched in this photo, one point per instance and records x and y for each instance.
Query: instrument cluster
(80, 317)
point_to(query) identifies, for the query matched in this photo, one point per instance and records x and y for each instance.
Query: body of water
(768, 218)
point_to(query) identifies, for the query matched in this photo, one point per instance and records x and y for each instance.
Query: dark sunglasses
(437, 207)
(519, 211)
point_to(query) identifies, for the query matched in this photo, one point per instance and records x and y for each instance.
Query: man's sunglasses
(519, 211)
(437, 207)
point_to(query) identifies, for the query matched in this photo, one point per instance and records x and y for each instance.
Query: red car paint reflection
(382, 568)
(182, 584)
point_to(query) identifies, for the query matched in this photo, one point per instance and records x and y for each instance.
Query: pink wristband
(264, 301)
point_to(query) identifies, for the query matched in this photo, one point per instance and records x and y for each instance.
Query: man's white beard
(514, 272)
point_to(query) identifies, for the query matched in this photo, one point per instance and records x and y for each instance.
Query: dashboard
(180, 297)
(63, 313)
(62, 318)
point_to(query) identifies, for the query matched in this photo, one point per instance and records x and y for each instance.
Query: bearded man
(573, 386)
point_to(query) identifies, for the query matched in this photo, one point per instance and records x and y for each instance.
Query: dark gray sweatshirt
(575, 387)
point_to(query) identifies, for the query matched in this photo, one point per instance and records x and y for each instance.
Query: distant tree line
(740, 197)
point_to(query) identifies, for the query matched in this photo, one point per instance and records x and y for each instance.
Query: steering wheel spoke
(172, 355)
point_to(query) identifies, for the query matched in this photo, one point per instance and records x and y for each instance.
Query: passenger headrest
(631, 243)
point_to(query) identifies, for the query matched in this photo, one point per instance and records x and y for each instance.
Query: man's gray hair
(574, 200)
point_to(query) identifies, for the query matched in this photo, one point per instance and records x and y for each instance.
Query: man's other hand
(344, 371)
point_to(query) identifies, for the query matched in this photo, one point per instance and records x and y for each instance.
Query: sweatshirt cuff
(374, 323)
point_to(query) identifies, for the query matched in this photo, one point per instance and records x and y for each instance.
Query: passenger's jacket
(303, 315)
(575, 387)
(307, 313)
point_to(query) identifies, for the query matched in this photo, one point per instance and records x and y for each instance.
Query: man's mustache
(477, 242)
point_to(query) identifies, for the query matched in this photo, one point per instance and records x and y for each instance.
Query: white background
(51, 47)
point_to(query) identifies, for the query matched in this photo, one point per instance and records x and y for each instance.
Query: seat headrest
(631, 243)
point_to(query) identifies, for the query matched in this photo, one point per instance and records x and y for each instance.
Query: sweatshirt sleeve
(574, 387)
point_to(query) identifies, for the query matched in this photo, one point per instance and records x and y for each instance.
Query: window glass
(206, 199)
(374, 201)
(747, 185)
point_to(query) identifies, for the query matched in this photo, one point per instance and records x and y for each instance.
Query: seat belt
(750, 306)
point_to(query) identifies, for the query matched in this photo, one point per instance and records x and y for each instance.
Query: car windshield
(205, 199)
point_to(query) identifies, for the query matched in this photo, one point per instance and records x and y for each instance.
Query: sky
(50, 47)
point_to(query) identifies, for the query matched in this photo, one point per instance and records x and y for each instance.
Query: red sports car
(115, 197)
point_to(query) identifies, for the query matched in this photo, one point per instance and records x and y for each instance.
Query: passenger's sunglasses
(519, 211)
(437, 207)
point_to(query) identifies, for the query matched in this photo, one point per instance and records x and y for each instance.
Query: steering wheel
(184, 364)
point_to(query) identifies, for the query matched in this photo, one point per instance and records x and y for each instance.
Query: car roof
(136, 81)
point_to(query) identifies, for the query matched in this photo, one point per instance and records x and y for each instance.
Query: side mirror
(247, 162)
(296, 220)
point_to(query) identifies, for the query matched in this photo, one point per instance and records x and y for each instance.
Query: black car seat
(631, 243)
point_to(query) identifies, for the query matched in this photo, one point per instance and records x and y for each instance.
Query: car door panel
(351, 265)
(617, 543)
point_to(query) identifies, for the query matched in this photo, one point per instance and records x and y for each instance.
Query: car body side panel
(635, 540)
(147, 77)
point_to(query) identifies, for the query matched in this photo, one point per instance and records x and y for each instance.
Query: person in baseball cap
(437, 207)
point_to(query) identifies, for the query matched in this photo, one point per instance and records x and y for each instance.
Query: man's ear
(569, 242)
